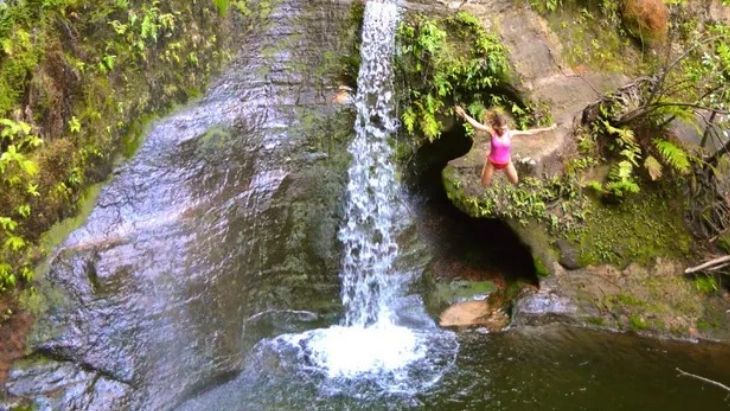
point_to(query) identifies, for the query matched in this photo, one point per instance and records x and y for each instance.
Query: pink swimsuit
(499, 155)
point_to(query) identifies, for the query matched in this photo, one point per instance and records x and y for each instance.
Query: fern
(625, 135)
(621, 188)
(14, 243)
(653, 167)
(673, 155)
(409, 119)
(595, 185)
(477, 109)
(8, 224)
(431, 128)
(622, 171)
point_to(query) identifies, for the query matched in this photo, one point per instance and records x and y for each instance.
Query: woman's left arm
(533, 131)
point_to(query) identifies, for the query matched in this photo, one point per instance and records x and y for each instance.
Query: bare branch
(708, 264)
(703, 379)
(708, 129)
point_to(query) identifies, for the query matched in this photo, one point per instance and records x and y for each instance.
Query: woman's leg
(511, 172)
(487, 173)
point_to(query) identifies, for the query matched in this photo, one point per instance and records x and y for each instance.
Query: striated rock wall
(225, 219)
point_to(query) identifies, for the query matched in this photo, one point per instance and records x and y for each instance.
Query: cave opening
(466, 248)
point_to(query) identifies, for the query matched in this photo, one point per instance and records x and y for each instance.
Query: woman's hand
(554, 126)
(459, 111)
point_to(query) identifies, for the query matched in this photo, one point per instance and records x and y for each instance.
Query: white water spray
(370, 345)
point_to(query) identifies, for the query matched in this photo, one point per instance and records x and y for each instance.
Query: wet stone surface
(229, 209)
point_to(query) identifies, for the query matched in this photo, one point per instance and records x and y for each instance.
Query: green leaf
(74, 124)
(14, 243)
(27, 274)
(8, 224)
(29, 166)
(673, 155)
(653, 167)
(24, 210)
(409, 119)
(33, 190)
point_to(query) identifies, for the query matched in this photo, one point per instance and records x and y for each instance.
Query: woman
(499, 155)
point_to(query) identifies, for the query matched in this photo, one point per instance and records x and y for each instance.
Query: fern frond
(673, 155)
(680, 112)
(409, 119)
(653, 167)
(621, 171)
(620, 188)
(477, 109)
(626, 135)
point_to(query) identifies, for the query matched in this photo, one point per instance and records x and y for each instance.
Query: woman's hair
(496, 118)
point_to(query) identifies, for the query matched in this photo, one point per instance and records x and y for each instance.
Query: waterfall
(371, 345)
(367, 235)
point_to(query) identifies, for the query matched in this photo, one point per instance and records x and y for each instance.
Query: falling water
(371, 345)
(368, 233)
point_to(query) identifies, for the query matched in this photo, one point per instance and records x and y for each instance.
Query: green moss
(351, 61)
(703, 325)
(460, 290)
(59, 231)
(597, 321)
(136, 132)
(647, 226)
(628, 300)
(540, 268)
(637, 323)
(593, 36)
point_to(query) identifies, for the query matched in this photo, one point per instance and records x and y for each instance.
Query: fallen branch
(707, 380)
(708, 264)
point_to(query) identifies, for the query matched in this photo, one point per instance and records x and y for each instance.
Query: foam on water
(351, 351)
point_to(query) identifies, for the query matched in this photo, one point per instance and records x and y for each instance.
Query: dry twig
(708, 264)
(707, 380)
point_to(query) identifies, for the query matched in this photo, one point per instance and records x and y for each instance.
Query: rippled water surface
(550, 368)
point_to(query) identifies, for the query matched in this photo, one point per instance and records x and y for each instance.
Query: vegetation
(631, 172)
(448, 60)
(632, 129)
(77, 78)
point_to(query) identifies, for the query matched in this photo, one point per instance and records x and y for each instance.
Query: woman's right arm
(477, 125)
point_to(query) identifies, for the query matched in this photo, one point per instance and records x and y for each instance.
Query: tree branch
(658, 87)
(703, 379)
(708, 264)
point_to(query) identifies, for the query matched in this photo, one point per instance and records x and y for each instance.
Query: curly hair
(496, 118)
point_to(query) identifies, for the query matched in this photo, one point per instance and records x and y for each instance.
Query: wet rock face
(654, 300)
(230, 208)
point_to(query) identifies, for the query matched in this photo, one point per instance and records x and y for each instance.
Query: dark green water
(553, 368)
